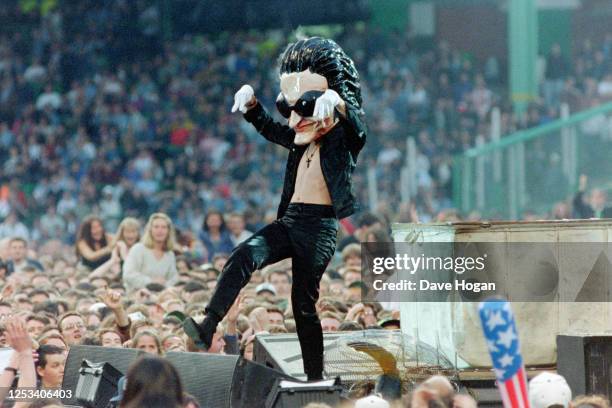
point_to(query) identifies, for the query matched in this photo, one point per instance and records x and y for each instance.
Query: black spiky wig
(326, 58)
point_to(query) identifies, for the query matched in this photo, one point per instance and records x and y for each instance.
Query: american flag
(502, 340)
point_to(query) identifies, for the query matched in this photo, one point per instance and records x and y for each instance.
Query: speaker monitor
(282, 352)
(214, 380)
(586, 361)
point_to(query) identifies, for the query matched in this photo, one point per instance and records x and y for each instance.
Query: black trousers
(306, 233)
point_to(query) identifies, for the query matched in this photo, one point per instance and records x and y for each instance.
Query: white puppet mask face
(299, 91)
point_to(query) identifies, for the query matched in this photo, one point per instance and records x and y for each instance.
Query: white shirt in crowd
(141, 268)
(10, 230)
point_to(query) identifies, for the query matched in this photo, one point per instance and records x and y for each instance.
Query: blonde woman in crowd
(152, 259)
(128, 234)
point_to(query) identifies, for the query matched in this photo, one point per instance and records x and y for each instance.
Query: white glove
(242, 98)
(325, 105)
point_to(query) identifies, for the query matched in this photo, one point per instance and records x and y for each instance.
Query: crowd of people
(134, 289)
(87, 127)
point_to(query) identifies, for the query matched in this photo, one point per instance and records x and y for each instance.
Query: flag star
(506, 337)
(492, 347)
(495, 319)
(506, 360)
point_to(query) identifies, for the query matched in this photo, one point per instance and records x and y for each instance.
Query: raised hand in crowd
(354, 312)
(22, 359)
(17, 336)
(114, 301)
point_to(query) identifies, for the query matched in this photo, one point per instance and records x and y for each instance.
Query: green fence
(531, 170)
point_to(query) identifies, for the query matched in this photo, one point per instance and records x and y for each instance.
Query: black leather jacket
(339, 150)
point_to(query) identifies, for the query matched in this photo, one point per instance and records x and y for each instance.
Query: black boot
(201, 333)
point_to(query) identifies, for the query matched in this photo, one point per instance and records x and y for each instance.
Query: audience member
(93, 245)
(152, 260)
(154, 383)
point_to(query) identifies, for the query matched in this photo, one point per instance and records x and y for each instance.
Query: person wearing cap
(389, 324)
(549, 389)
(265, 290)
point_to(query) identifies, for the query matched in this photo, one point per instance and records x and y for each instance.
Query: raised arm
(19, 339)
(91, 254)
(110, 268)
(254, 113)
(113, 300)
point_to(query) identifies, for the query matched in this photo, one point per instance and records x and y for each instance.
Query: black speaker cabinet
(586, 362)
(214, 380)
(208, 377)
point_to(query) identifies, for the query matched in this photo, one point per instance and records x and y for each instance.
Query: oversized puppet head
(307, 69)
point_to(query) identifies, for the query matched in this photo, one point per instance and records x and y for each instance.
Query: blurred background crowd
(94, 122)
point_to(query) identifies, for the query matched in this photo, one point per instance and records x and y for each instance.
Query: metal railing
(531, 170)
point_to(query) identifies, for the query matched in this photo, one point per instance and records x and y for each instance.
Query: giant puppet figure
(325, 130)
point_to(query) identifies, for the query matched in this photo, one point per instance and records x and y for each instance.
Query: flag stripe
(504, 395)
(511, 393)
(523, 385)
(517, 387)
